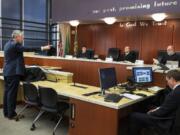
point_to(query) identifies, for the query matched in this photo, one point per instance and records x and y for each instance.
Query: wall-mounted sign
(65, 10)
(141, 24)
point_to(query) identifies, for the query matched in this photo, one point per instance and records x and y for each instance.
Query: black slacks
(10, 95)
(139, 121)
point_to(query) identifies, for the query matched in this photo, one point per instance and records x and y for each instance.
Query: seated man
(170, 55)
(83, 53)
(128, 55)
(162, 117)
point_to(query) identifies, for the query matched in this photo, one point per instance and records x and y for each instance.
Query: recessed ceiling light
(159, 16)
(109, 20)
(74, 23)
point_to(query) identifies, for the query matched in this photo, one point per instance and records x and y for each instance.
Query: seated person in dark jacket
(160, 118)
(83, 53)
(171, 55)
(128, 55)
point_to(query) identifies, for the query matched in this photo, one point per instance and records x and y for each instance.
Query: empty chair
(31, 97)
(50, 103)
(161, 54)
(90, 53)
(136, 53)
(114, 53)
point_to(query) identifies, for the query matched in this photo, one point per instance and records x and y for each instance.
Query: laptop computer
(172, 64)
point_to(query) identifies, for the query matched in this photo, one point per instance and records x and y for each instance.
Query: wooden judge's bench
(86, 71)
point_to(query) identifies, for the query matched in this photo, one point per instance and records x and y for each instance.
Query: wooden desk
(51, 68)
(91, 115)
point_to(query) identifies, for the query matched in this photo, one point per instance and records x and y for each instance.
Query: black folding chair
(50, 103)
(31, 98)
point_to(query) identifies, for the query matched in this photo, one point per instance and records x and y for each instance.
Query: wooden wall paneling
(85, 31)
(130, 36)
(134, 37)
(176, 37)
(110, 37)
(1, 62)
(149, 39)
(103, 39)
(153, 39)
(165, 37)
(100, 43)
(121, 38)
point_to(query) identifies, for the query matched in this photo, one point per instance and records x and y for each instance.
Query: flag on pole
(67, 42)
(60, 50)
(64, 39)
(76, 43)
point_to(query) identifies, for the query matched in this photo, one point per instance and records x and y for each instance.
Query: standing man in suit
(128, 55)
(160, 118)
(13, 70)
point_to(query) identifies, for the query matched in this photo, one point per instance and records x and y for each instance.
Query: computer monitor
(107, 77)
(172, 64)
(142, 75)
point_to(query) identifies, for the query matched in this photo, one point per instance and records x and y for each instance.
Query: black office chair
(178, 54)
(161, 54)
(31, 98)
(90, 53)
(49, 101)
(114, 53)
(136, 53)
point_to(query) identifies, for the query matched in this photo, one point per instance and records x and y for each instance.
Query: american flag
(60, 50)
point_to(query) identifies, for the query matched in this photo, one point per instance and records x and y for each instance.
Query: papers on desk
(155, 89)
(131, 96)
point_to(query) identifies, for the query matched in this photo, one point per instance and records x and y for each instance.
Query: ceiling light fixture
(74, 23)
(159, 16)
(109, 20)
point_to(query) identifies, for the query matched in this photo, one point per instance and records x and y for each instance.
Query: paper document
(155, 88)
(131, 96)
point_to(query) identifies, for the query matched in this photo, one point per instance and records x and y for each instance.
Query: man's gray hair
(17, 33)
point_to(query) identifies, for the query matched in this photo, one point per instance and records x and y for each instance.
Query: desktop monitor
(107, 78)
(172, 64)
(142, 75)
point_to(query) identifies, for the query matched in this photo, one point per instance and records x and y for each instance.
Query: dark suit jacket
(13, 58)
(82, 55)
(130, 57)
(166, 57)
(170, 105)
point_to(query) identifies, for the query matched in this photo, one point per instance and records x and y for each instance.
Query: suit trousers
(10, 95)
(139, 121)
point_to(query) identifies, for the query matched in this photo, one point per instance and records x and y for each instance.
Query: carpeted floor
(43, 127)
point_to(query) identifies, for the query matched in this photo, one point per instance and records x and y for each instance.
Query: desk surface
(71, 91)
